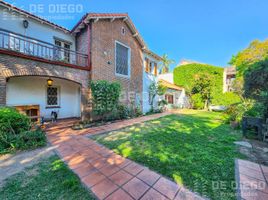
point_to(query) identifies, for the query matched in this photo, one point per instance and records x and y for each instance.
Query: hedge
(184, 76)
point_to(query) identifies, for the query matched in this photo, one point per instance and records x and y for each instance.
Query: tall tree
(255, 52)
(256, 84)
(166, 62)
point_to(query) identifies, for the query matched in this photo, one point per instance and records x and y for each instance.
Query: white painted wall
(148, 79)
(31, 90)
(12, 21)
(167, 77)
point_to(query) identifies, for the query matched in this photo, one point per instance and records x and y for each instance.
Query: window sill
(122, 76)
(48, 107)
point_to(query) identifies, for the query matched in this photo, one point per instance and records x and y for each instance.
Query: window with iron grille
(122, 59)
(52, 96)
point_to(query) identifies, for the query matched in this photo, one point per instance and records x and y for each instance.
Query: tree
(166, 62)
(154, 90)
(203, 86)
(256, 84)
(257, 51)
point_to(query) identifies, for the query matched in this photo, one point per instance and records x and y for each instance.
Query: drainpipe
(89, 45)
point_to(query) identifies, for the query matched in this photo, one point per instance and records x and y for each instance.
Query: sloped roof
(170, 85)
(112, 16)
(154, 55)
(30, 15)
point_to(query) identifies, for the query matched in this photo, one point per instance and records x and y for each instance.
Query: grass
(50, 179)
(194, 149)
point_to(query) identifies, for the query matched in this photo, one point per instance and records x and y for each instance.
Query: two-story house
(47, 68)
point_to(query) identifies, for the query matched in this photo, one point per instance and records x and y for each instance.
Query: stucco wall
(12, 21)
(31, 90)
(148, 79)
(13, 67)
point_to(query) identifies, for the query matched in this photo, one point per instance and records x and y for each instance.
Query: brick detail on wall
(103, 36)
(2, 90)
(13, 66)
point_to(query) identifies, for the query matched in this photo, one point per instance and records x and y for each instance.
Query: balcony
(42, 50)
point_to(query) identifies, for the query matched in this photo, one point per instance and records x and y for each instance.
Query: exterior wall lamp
(25, 23)
(49, 82)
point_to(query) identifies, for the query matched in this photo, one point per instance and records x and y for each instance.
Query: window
(67, 52)
(122, 60)
(169, 98)
(62, 51)
(52, 96)
(123, 31)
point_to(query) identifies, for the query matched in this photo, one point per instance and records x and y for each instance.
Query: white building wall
(148, 79)
(13, 22)
(167, 77)
(32, 91)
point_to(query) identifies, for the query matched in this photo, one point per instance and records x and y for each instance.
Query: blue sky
(208, 31)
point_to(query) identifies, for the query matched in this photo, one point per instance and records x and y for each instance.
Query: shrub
(13, 121)
(197, 101)
(226, 99)
(247, 108)
(15, 133)
(105, 97)
(122, 111)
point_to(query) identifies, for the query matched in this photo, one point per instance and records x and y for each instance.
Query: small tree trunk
(206, 105)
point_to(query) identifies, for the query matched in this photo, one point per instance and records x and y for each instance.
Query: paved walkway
(252, 180)
(108, 175)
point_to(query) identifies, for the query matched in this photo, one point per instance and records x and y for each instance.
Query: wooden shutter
(155, 69)
(147, 65)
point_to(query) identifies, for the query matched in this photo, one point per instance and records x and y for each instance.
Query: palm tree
(166, 62)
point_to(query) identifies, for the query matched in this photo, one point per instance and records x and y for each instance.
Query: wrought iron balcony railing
(37, 48)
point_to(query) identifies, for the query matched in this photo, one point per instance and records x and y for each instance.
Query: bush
(13, 121)
(15, 133)
(197, 101)
(105, 96)
(247, 108)
(122, 111)
(226, 99)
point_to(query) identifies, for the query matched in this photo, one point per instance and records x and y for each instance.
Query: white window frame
(129, 60)
(52, 106)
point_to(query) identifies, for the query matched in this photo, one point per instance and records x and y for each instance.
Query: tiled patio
(251, 180)
(108, 175)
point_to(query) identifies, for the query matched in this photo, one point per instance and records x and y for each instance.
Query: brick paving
(108, 175)
(251, 180)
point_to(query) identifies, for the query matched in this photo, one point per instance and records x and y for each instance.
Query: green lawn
(50, 179)
(195, 149)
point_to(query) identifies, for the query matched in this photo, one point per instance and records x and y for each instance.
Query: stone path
(13, 163)
(108, 175)
(251, 180)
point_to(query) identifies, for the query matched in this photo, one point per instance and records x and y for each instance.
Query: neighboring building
(175, 95)
(229, 75)
(99, 47)
(150, 76)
